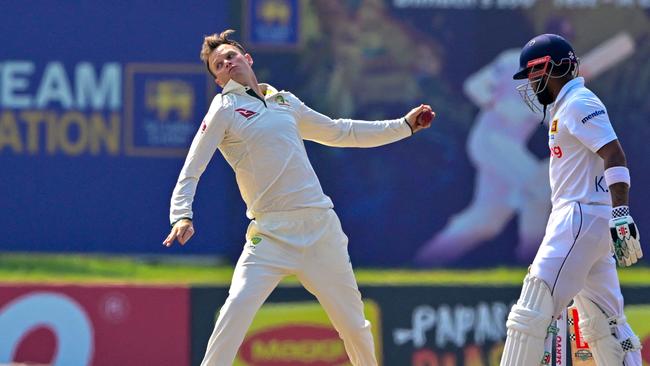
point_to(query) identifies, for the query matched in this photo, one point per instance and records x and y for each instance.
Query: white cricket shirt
(263, 143)
(579, 127)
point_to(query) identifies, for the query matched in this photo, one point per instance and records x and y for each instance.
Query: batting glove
(625, 237)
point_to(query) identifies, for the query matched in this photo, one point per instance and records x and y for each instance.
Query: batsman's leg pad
(528, 324)
(600, 331)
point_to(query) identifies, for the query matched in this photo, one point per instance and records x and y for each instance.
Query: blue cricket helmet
(555, 47)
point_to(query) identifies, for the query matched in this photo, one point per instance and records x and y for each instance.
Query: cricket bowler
(293, 230)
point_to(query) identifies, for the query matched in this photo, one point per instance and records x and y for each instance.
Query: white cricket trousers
(575, 258)
(310, 244)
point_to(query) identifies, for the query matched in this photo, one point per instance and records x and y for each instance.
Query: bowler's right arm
(205, 143)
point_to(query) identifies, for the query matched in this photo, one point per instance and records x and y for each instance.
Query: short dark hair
(211, 42)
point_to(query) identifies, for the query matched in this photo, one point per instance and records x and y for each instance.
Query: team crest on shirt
(554, 126)
(281, 101)
(203, 126)
(254, 241)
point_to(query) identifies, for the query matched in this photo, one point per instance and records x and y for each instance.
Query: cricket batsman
(293, 230)
(590, 217)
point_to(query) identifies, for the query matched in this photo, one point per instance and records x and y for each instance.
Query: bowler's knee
(355, 329)
(240, 300)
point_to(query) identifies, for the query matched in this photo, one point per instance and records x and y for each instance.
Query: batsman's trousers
(575, 258)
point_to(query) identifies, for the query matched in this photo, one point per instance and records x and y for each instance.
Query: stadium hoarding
(443, 325)
(99, 325)
(411, 324)
(86, 123)
(272, 25)
(94, 132)
(414, 325)
(266, 341)
(451, 326)
(297, 334)
(140, 325)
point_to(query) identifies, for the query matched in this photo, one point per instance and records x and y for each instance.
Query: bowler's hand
(182, 231)
(625, 237)
(420, 117)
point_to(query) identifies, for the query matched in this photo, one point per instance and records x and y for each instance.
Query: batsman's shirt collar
(578, 82)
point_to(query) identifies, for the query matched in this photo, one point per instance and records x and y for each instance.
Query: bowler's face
(226, 62)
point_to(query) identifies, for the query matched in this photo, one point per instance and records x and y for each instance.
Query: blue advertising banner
(164, 101)
(99, 102)
(272, 23)
(98, 105)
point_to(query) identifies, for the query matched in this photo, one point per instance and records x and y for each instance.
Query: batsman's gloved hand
(625, 237)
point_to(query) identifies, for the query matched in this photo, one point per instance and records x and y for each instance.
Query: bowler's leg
(340, 297)
(327, 273)
(252, 282)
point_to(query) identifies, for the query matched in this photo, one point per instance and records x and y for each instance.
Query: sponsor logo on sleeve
(593, 115)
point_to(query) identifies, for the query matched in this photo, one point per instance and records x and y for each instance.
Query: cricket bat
(580, 352)
(606, 55)
(555, 346)
(560, 348)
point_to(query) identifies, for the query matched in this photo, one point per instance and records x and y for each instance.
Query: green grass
(42, 268)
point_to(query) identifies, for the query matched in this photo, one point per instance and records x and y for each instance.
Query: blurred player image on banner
(507, 178)
(508, 174)
(589, 220)
(293, 230)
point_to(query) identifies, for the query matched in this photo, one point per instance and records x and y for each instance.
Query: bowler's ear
(249, 58)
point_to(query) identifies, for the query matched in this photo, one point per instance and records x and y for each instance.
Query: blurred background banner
(413, 325)
(134, 325)
(99, 102)
(94, 325)
(271, 24)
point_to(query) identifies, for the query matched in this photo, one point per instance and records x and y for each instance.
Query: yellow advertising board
(299, 334)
